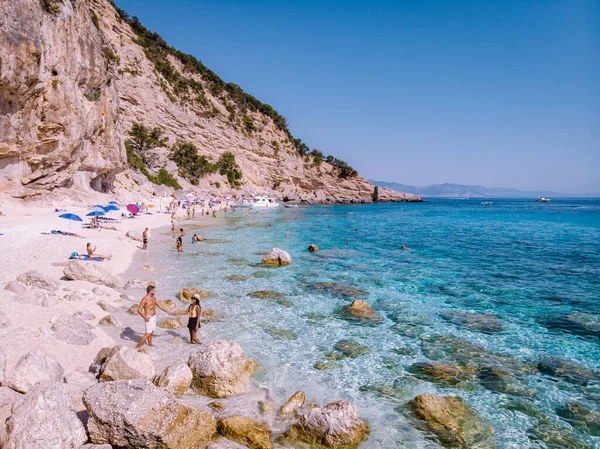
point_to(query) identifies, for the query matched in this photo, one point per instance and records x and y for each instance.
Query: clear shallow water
(534, 269)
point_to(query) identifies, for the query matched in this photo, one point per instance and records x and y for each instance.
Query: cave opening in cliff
(102, 183)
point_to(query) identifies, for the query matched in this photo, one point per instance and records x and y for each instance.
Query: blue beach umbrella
(70, 217)
(95, 213)
(113, 202)
(110, 207)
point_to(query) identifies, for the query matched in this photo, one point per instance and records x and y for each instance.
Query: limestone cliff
(75, 75)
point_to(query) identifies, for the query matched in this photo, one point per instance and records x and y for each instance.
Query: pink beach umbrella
(133, 209)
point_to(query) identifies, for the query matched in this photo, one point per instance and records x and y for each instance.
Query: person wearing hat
(194, 312)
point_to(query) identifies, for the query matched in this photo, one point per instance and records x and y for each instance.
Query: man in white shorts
(147, 311)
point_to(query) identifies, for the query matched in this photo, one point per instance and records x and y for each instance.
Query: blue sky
(497, 93)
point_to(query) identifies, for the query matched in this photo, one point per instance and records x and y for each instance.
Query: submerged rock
(581, 417)
(261, 274)
(500, 380)
(78, 270)
(568, 371)
(337, 289)
(220, 369)
(359, 310)
(453, 422)
(314, 316)
(175, 378)
(34, 367)
(43, 419)
(237, 277)
(264, 408)
(578, 323)
(326, 365)
(486, 323)
(147, 268)
(122, 362)
(335, 426)
(266, 294)
(217, 406)
(136, 414)
(556, 435)
(313, 248)
(351, 349)
(253, 434)
(281, 334)
(443, 374)
(277, 257)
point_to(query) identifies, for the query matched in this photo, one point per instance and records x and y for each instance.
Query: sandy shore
(24, 248)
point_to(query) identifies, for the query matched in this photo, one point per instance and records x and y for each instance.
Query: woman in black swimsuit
(194, 312)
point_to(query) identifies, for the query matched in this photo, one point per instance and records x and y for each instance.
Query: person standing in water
(147, 310)
(194, 312)
(145, 237)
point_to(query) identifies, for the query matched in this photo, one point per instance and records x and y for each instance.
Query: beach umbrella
(151, 205)
(95, 213)
(98, 205)
(133, 209)
(70, 217)
(110, 207)
(113, 202)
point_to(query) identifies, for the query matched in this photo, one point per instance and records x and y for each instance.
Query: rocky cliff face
(73, 81)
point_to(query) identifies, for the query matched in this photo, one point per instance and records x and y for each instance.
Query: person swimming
(179, 244)
(405, 247)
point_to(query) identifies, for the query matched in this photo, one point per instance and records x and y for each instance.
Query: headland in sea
(495, 304)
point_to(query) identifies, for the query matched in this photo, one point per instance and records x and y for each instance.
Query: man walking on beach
(147, 311)
(145, 237)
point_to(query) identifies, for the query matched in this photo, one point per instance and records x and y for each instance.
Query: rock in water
(296, 401)
(362, 310)
(220, 369)
(171, 323)
(277, 258)
(73, 330)
(137, 414)
(313, 248)
(43, 419)
(126, 363)
(186, 294)
(453, 422)
(78, 270)
(253, 434)
(34, 367)
(175, 378)
(336, 426)
(38, 280)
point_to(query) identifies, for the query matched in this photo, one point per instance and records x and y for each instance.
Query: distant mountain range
(466, 191)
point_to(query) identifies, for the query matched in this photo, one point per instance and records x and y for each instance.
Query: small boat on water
(243, 204)
(487, 203)
(291, 206)
(264, 202)
(541, 199)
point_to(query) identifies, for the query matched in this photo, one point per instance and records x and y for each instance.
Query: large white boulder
(337, 425)
(220, 369)
(175, 378)
(78, 382)
(277, 257)
(34, 367)
(36, 296)
(38, 280)
(137, 414)
(43, 419)
(126, 363)
(134, 235)
(16, 287)
(73, 330)
(78, 270)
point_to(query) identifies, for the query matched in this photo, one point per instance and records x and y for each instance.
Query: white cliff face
(70, 91)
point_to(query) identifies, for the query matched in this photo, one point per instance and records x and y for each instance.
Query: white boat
(264, 202)
(291, 205)
(541, 199)
(243, 204)
(487, 203)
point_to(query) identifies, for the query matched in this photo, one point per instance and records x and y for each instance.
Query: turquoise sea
(508, 292)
